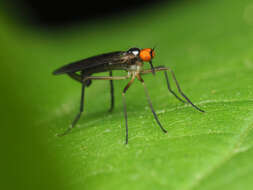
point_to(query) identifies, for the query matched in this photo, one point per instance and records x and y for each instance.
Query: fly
(132, 62)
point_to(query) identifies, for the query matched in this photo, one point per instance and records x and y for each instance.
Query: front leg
(165, 69)
(161, 68)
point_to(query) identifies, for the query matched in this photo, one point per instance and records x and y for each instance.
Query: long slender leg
(83, 81)
(105, 78)
(125, 115)
(124, 103)
(169, 88)
(157, 69)
(161, 68)
(150, 104)
(167, 81)
(78, 78)
(112, 93)
(78, 115)
(181, 92)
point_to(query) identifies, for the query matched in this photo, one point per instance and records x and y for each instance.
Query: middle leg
(124, 104)
(150, 104)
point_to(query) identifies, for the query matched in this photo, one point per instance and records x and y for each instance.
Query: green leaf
(208, 44)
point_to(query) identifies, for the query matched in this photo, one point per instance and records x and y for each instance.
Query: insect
(132, 61)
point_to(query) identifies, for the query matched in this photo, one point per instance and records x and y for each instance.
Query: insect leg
(123, 94)
(161, 68)
(79, 78)
(150, 104)
(181, 92)
(79, 114)
(105, 78)
(167, 81)
(124, 103)
(169, 88)
(112, 93)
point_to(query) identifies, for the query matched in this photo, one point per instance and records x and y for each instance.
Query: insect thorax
(135, 67)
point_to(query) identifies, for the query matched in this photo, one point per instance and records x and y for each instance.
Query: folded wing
(88, 63)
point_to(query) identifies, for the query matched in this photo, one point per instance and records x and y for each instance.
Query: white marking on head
(135, 52)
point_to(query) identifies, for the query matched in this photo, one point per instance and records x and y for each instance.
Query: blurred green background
(209, 46)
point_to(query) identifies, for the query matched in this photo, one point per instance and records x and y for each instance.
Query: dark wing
(91, 62)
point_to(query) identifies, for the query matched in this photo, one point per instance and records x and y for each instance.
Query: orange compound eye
(153, 53)
(145, 54)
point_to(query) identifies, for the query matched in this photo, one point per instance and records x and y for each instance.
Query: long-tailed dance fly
(130, 61)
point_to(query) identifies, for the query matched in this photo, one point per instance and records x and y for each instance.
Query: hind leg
(79, 114)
